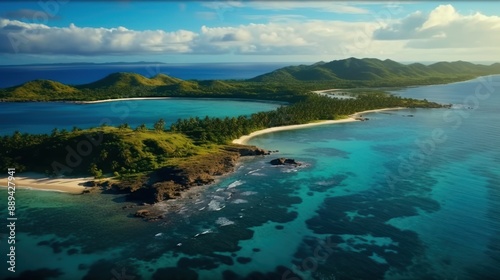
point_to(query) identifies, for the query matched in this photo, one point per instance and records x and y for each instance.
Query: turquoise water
(410, 194)
(36, 117)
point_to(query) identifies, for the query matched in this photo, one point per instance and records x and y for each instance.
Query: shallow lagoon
(337, 216)
(42, 117)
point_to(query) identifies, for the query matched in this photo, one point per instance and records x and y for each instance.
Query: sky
(63, 31)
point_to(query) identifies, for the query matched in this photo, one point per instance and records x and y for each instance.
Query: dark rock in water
(291, 161)
(284, 161)
(148, 215)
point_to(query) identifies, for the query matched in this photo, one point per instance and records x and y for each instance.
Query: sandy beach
(122, 99)
(352, 118)
(30, 180)
(37, 181)
(190, 98)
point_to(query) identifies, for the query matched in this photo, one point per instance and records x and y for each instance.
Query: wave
(202, 233)
(215, 205)
(223, 221)
(218, 198)
(239, 201)
(247, 193)
(235, 184)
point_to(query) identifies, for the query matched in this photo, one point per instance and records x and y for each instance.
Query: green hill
(285, 84)
(40, 89)
(371, 69)
(121, 80)
(165, 80)
(112, 149)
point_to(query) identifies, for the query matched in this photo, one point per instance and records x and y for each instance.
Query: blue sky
(54, 31)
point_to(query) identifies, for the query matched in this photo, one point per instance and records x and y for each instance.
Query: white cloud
(21, 37)
(441, 16)
(277, 38)
(411, 36)
(444, 27)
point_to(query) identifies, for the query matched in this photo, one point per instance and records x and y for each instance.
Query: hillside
(34, 89)
(285, 84)
(151, 165)
(121, 80)
(374, 70)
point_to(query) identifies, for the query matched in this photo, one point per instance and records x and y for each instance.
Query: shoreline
(352, 118)
(40, 182)
(174, 97)
(76, 185)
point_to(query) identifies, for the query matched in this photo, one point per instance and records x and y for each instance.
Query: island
(159, 163)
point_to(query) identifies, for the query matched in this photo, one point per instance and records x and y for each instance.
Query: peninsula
(152, 165)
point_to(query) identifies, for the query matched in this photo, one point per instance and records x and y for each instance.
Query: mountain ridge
(284, 84)
(365, 69)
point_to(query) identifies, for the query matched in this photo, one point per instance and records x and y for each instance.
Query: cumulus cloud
(444, 27)
(296, 37)
(282, 38)
(22, 37)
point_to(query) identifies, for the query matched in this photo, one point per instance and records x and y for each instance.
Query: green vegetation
(158, 163)
(284, 84)
(122, 150)
(312, 108)
(369, 72)
(96, 151)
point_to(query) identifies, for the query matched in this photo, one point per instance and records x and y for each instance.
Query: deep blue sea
(409, 194)
(76, 74)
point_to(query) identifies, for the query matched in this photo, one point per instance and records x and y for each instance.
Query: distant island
(284, 84)
(152, 165)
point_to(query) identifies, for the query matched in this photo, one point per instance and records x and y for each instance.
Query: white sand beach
(352, 118)
(122, 99)
(37, 181)
(191, 98)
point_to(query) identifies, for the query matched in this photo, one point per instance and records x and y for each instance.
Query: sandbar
(352, 118)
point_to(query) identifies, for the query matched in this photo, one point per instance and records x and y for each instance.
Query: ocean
(77, 74)
(409, 194)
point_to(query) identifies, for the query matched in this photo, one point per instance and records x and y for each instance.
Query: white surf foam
(239, 201)
(223, 221)
(235, 184)
(247, 193)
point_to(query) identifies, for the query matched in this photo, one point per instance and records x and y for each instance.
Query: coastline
(187, 98)
(352, 118)
(38, 181)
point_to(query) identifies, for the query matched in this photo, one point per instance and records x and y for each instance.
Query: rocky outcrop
(170, 181)
(148, 215)
(244, 150)
(284, 161)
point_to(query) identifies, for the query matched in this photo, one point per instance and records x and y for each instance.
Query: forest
(123, 150)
